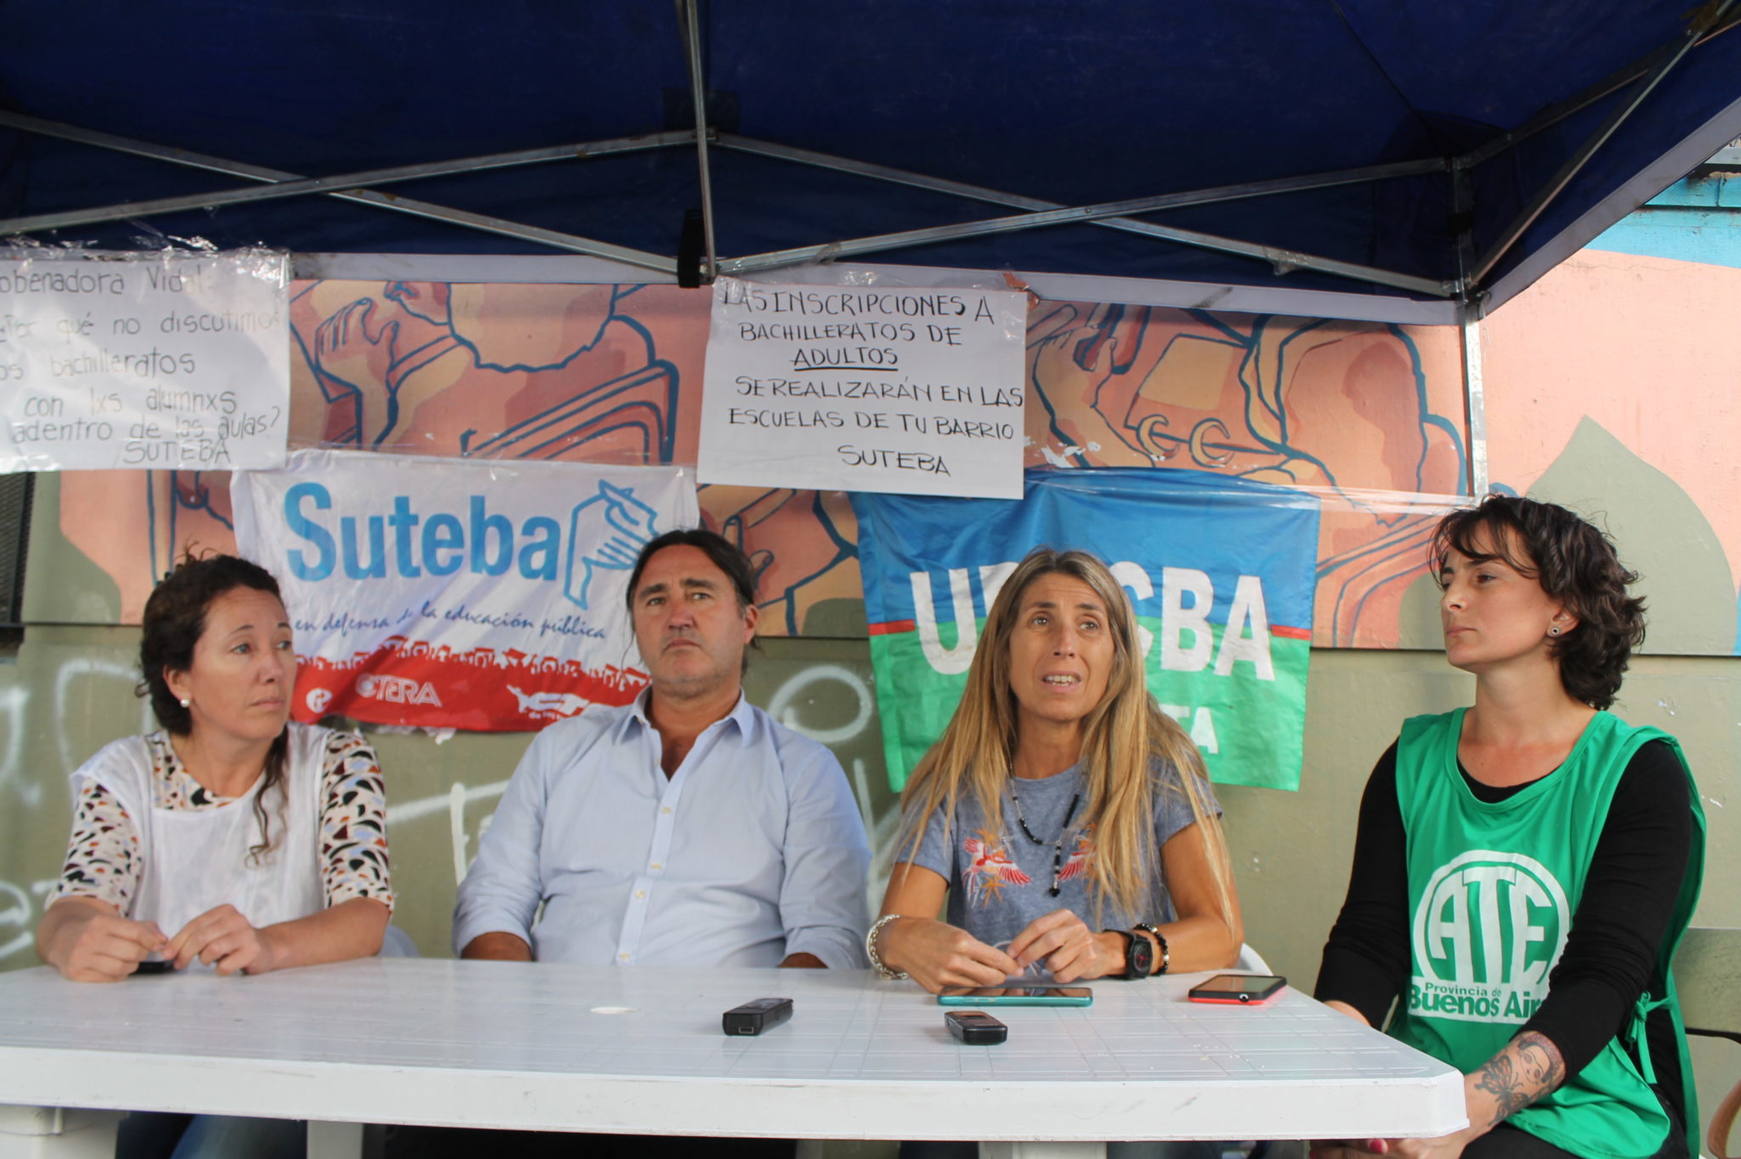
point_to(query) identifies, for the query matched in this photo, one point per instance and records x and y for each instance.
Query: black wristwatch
(1166, 954)
(1139, 954)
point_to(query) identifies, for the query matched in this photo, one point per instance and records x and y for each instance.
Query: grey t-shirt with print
(999, 882)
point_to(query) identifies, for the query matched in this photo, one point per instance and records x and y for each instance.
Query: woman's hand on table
(87, 941)
(222, 938)
(936, 954)
(1070, 950)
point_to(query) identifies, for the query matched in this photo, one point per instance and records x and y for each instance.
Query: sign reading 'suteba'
(457, 593)
(911, 390)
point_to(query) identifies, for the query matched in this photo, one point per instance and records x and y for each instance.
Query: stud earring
(187, 703)
(1551, 632)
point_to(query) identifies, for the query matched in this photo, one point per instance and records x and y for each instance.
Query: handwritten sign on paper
(865, 388)
(149, 361)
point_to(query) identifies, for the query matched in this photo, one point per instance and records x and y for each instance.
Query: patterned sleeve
(353, 823)
(102, 856)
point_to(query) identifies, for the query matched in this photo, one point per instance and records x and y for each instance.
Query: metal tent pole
(1665, 61)
(337, 183)
(691, 23)
(555, 239)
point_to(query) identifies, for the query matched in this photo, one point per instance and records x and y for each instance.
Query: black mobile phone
(755, 1017)
(975, 1027)
(1238, 989)
(156, 966)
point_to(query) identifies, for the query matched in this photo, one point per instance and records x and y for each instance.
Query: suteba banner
(457, 593)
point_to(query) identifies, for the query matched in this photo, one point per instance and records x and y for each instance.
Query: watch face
(1140, 957)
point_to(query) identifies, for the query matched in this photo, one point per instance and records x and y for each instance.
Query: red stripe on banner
(1290, 633)
(483, 689)
(889, 627)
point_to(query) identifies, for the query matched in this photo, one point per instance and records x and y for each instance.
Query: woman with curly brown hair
(1524, 867)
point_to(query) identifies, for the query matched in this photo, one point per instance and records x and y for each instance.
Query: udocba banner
(1219, 571)
(450, 593)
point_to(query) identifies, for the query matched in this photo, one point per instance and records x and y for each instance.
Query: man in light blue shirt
(687, 828)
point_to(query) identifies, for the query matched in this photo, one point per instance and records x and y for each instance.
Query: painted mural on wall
(1364, 415)
(1614, 386)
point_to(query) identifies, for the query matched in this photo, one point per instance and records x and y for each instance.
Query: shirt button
(622, 957)
(655, 865)
(640, 894)
(666, 809)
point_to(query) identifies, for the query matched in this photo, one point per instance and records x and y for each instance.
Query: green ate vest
(1492, 891)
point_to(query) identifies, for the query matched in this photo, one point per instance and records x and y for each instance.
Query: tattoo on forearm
(1529, 1067)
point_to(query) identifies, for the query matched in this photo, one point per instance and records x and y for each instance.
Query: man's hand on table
(497, 946)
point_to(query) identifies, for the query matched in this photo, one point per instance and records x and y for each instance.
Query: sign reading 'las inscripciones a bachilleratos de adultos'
(148, 361)
(865, 388)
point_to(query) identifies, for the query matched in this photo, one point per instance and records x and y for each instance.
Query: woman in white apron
(230, 839)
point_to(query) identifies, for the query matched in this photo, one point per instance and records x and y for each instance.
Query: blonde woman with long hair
(1067, 820)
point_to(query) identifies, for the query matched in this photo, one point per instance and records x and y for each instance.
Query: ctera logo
(397, 690)
(606, 531)
(1488, 928)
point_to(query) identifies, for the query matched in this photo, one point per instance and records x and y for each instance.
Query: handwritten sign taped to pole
(865, 388)
(150, 361)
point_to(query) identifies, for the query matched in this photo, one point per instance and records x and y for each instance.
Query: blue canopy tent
(1397, 160)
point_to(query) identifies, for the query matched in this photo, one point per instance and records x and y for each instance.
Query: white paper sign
(865, 388)
(148, 361)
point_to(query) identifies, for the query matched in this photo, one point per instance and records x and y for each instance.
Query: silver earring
(186, 703)
(1551, 632)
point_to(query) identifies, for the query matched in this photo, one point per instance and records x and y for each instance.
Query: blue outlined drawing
(605, 533)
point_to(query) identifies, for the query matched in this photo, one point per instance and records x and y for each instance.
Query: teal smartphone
(1017, 996)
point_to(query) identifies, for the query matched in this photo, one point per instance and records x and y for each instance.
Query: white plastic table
(552, 1047)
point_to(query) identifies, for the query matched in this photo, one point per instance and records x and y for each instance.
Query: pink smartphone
(1238, 989)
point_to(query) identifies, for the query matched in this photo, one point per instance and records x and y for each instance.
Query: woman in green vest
(1524, 867)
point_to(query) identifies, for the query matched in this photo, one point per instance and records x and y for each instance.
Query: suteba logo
(442, 547)
(606, 533)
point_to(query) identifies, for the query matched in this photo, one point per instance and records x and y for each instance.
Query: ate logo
(1491, 918)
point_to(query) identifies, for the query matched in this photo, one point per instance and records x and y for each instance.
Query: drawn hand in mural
(363, 353)
(817, 541)
(608, 530)
(1336, 406)
(497, 370)
(1284, 400)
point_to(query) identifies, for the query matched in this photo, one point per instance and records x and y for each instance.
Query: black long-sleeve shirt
(1611, 949)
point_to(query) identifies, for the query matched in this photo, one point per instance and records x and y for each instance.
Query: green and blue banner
(1220, 571)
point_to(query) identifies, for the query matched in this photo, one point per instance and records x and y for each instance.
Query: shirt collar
(743, 713)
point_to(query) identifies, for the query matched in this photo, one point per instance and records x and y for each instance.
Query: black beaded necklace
(1058, 845)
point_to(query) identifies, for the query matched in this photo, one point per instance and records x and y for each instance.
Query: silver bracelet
(870, 950)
